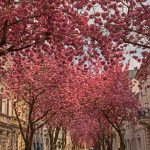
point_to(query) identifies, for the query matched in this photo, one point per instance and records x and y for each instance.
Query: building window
(1, 103)
(7, 107)
(38, 146)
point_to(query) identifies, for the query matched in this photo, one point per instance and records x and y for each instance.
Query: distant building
(38, 140)
(46, 141)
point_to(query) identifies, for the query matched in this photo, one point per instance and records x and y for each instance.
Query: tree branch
(136, 44)
(39, 94)
(40, 118)
(20, 20)
(20, 125)
(4, 33)
(107, 118)
(13, 49)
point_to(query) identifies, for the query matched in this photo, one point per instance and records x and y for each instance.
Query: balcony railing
(11, 120)
(5, 118)
(143, 116)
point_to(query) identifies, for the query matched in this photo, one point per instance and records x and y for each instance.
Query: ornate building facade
(137, 135)
(10, 137)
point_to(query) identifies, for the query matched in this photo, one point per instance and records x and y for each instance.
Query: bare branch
(34, 98)
(136, 44)
(40, 118)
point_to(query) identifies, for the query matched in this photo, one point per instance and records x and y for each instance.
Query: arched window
(38, 146)
(7, 106)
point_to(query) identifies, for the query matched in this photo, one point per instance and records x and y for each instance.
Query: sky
(133, 63)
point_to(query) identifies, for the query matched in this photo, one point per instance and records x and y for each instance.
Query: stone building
(137, 135)
(10, 137)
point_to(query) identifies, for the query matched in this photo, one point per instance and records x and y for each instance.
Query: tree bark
(53, 147)
(118, 130)
(28, 145)
(122, 144)
(64, 135)
(28, 141)
(53, 135)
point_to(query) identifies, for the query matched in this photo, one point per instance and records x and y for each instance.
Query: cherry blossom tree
(41, 40)
(121, 23)
(108, 94)
(121, 105)
(103, 28)
(58, 125)
(53, 27)
(25, 24)
(39, 86)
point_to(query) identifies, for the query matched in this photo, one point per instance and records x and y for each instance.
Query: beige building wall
(137, 135)
(46, 140)
(10, 137)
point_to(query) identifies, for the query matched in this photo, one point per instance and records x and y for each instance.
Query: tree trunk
(53, 135)
(64, 134)
(98, 145)
(53, 147)
(122, 144)
(109, 142)
(28, 142)
(103, 143)
(28, 145)
(73, 146)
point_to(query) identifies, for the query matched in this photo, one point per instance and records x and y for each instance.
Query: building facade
(137, 135)
(46, 141)
(10, 137)
(38, 140)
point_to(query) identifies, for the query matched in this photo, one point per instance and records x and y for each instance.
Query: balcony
(10, 121)
(5, 119)
(144, 116)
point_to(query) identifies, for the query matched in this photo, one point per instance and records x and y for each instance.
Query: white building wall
(38, 140)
